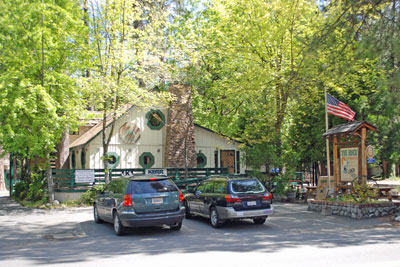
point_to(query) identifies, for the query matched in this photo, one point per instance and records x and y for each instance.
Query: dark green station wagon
(138, 202)
(224, 198)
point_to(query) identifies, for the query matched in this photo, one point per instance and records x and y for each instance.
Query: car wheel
(119, 229)
(259, 220)
(214, 218)
(188, 215)
(96, 215)
(176, 226)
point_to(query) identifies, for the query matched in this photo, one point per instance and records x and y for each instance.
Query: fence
(64, 179)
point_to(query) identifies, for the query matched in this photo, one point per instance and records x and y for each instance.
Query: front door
(228, 160)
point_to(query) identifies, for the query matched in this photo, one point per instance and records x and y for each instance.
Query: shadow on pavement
(292, 226)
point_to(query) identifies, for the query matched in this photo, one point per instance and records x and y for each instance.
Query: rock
(326, 211)
(48, 205)
(56, 203)
(397, 219)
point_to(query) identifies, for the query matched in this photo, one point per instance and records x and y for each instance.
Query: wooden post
(335, 162)
(364, 154)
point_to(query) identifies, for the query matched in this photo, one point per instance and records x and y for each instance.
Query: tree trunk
(63, 151)
(2, 178)
(50, 185)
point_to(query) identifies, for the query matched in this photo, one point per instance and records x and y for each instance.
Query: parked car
(140, 201)
(228, 198)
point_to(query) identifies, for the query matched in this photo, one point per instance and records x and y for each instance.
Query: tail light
(128, 200)
(232, 198)
(181, 198)
(267, 196)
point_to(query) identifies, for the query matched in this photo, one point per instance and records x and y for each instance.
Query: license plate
(251, 203)
(157, 200)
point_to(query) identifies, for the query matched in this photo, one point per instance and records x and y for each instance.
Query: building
(155, 138)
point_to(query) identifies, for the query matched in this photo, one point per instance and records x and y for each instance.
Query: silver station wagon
(140, 201)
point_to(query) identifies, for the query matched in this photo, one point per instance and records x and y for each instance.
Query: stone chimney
(180, 139)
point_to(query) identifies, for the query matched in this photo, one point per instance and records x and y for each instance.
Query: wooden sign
(348, 164)
(323, 188)
(129, 133)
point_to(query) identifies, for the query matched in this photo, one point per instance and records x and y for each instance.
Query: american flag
(338, 108)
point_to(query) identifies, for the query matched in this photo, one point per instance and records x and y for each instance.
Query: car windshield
(247, 186)
(145, 187)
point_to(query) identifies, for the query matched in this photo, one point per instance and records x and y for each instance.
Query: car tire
(176, 226)
(259, 220)
(119, 229)
(214, 218)
(188, 215)
(96, 215)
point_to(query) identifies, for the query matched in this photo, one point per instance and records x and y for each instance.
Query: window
(247, 186)
(201, 160)
(209, 188)
(220, 187)
(116, 186)
(148, 187)
(146, 160)
(112, 159)
(200, 188)
(83, 158)
(155, 119)
(73, 160)
(216, 158)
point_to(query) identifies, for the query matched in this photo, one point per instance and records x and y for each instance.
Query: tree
(128, 43)
(252, 59)
(41, 52)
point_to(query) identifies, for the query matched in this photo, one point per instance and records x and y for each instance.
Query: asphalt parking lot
(69, 236)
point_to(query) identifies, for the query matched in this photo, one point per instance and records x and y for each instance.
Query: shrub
(90, 194)
(21, 190)
(37, 188)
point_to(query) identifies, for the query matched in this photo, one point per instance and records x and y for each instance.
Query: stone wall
(355, 211)
(180, 138)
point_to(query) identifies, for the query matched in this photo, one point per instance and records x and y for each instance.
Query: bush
(89, 196)
(37, 188)
(21, 190)
(33, 190)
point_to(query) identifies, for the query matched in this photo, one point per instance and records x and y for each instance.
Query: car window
(115, 187)
(146, 187)
(247, 186)
(200, 188)
(209, 188)
(220, 187)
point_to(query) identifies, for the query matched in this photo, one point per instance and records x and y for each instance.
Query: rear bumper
(132, 219)
(229, 213)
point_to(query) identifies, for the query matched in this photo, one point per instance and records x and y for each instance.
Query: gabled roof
(96, 130)
(349, 128)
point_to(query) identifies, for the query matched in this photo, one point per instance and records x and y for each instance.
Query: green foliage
(21, 190)
(43, 48)
(37, 188)
(364, 193)
(34, 189)
(89, 196)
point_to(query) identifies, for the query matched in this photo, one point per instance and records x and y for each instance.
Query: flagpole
(328, 160)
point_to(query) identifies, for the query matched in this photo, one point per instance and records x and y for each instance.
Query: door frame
(234, 158)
